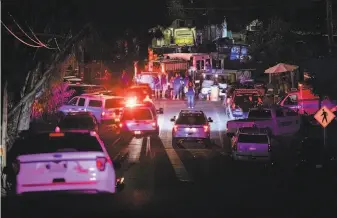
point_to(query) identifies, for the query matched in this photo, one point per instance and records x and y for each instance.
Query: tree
(273, 43)
(323, 73)
(37, 80)
(176, 9)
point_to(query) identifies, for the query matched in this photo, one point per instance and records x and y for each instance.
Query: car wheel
(207, 143)
(174, 142)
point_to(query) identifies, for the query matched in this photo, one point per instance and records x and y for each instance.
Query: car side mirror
(117, 165)
(173, 119)
(210, 120)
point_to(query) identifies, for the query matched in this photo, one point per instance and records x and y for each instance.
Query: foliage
(323, 73)
(176, 9)
(273, 43)
(51, 99)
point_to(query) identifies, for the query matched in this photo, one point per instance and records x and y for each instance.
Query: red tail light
(175, 128)
(120, 125)
(103, 114)
(101, 162)
(154, 124)
(206, 128)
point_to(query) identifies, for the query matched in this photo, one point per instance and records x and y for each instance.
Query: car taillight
(175, 128)
(206, 128)
(103, 114)
(120, 125)
(154, 124)
(101, 162)
(57, 129)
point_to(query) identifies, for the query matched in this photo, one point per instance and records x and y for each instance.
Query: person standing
(157, 86)
(186, 81)
(163, 81)
(190, 95)
(176, 86)
(124, 80)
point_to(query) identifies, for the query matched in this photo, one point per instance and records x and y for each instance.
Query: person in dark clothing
(124, 80)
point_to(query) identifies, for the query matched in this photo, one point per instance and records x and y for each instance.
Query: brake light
(154, 124)
(206, 128)
(175, 127)
(120, 125)
(101, 162)
(57, 129)
(103, 114)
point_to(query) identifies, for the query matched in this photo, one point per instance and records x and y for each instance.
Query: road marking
(177, 164)
(135, 148)
(219, 128)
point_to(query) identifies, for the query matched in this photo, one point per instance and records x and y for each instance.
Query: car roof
(100, 96)
(253, 131)
(192, 112)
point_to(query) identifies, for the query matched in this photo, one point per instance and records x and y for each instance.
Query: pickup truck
(279, 120)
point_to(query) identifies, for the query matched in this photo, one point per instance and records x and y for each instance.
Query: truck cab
(305, 102)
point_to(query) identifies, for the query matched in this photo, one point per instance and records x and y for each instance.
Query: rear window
(191, 119)
(258, 139)
(259, 114)
(69, 143)
(114, 103)
(77, 122)
(137, 114)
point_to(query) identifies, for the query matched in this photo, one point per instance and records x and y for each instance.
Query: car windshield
(70, 142)
(191, 119)
(259, 114)
(77, 122)
(258, 139)
(137, 114)
(114, 103)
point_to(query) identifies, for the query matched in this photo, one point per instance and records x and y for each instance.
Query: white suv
(105, 108)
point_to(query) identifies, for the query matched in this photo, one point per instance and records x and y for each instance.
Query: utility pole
(329, 22)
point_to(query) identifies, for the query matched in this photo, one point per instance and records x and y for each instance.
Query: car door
(70, 106)
(95, 107)
(292, 119)
(280, 128)
(292, 102)
(81, 104)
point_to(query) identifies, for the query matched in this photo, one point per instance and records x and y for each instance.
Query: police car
(191, 125)
(140, 119)
(251, 143)
(67, 162)
(105, 108)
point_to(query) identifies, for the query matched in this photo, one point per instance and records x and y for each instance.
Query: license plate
(58, 167)
(137, 132)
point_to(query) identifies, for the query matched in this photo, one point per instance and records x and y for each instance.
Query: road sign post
(324, 117)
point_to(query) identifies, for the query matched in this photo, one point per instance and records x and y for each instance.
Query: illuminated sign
(184, 36)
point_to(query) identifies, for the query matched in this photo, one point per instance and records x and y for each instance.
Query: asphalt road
(166, 181)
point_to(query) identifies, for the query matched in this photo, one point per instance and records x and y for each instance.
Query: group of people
(169, 86)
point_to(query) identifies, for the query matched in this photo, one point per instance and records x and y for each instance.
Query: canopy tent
(282, 68)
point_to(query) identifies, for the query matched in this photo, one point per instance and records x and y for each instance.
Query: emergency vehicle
(238, 105)
(305, 102)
